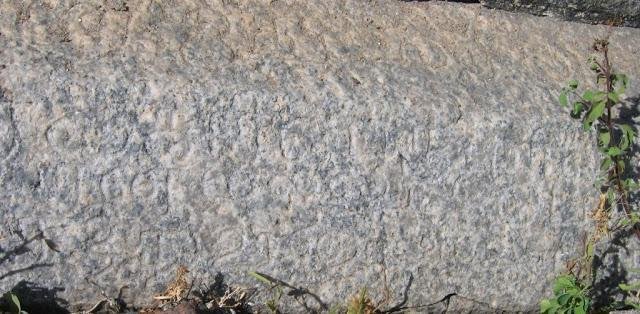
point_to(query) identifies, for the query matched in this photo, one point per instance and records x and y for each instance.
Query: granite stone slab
(333, 145)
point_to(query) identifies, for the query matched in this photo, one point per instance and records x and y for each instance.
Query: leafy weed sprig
(596, 109)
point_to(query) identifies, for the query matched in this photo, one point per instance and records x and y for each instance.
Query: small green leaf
(594, 96)
(594, 113)
(563, 283)
(14, 302)
(634, 305)
(599, 96)
(563, 99)
(261, 277)
(613, 96)
(564, 299)
(604, 138)
(588, 95)
(622, 81)
(628, 136)
(626, 184)
(545, 306)
(578, 107)
(553, 308)
(606, 163)
(630, 287)
(624, 287)
(627, 129)
(593, 64)
(573, 84)
(614, 151)
(631, 185)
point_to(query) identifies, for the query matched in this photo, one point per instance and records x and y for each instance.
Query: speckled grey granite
(319, 142)
(615, 12)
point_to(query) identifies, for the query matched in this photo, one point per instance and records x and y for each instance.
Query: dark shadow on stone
(35, 299)
(629, 112)
(607, 266)
(23, 248)
(24, 269)
(606, 286)
(18, 250)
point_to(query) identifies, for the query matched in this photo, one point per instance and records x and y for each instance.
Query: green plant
(569, 296)
(14, 303)
(597, 111)
(273, 303)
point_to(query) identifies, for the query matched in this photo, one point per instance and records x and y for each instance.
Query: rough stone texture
(320, 142)
(614, 12)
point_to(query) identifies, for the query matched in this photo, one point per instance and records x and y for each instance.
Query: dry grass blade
(230, 300)
(177, 289)
(601, 216)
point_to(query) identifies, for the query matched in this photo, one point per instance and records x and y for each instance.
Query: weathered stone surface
(320, 142)
(611, 12)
